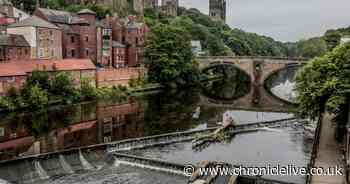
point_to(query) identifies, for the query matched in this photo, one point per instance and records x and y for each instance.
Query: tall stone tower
(170, 7)
(217, 9)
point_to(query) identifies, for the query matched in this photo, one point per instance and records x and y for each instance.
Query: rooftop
(64, 17)
(20, 68)
(13, 40)
(34, 21)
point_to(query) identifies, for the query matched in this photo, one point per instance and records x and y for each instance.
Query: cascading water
(118, 162)
(66, 167)
(285, 91)
(41, 171)
(3, 182)
(86, 164)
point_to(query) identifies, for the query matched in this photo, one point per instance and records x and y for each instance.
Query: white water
(4, 181)
(285, 91)
(172, 171)
(86, 165)
(66, 167)
(41, 171)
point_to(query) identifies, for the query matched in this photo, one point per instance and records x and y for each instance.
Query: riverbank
(329, 154)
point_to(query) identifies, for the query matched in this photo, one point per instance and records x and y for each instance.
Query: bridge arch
(258, 68)
(269, 77)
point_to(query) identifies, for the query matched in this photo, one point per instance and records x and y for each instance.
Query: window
(26, 51)
(72, 39)
(2, 132)
(86, 38)
(73, 53)
(52, 52)
(51, 33)
(41, 52)
(87, 52)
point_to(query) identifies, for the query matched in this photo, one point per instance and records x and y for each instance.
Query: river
(62, 128)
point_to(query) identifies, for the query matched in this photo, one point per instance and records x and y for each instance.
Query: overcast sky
(284, 20)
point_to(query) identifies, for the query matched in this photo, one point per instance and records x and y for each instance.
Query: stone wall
(115, 77)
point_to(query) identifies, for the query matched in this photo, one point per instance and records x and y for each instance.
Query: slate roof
(63, 17)
(118, 44)
(34, 21)
(13, 40)
(21, 68)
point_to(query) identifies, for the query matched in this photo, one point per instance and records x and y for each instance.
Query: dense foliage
(217, 38)
(42, 88)
(169, 56)
(324, 84)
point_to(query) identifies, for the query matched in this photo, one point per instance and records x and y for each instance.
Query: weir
(188, 135)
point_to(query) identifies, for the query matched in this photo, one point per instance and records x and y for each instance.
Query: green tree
(332, 37)
(40, 78)
(169, 56)
(62, 85)
(324, 84)
(37, 98)
(88, 91)
(311, 48)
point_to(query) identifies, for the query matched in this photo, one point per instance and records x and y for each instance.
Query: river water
(62, 128)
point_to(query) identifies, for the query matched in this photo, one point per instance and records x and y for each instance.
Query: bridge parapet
(253, 58)
(259, 68)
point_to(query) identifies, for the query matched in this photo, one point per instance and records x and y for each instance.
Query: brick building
(15, 73)
(9, 15)
(44, 38)
(134, 38)
(111, 42)
(78, 31)
(13, 47)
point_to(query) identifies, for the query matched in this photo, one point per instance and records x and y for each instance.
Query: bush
(40, 78)
(62, 85)
(88, 92)
(37, 98)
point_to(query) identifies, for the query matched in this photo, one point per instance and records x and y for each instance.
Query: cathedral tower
(217, 9)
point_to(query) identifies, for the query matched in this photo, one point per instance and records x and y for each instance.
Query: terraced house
(44, 38)
(111, 42)
(13, 47)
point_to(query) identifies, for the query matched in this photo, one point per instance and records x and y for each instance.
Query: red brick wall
(14, 53)
(7, 82)
(71, 45)
(115, 77)
(88, 42)
(119, 57)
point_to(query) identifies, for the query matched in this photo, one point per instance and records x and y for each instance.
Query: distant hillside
(218, 38)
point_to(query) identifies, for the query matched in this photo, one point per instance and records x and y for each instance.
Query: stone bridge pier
(258, 68)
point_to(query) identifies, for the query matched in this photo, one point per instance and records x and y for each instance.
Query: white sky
(284, 20)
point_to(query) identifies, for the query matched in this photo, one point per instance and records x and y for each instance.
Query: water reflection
(234, 84)
(282, 83)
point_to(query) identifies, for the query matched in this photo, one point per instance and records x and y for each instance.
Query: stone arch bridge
(259, 68)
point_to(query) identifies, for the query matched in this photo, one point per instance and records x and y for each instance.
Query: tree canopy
(168, 54)
(324, 83)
